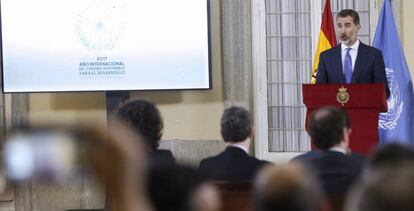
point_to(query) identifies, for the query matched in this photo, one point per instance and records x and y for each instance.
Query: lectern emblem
(342, 96)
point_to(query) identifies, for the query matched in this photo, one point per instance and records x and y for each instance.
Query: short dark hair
(383, 189)
(349, 12)
(391, 154)
(325, 126)
(143, 116)
(235, 124)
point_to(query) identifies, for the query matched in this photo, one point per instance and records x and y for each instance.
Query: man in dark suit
(234, 164)
(352, 61)
(334, 164)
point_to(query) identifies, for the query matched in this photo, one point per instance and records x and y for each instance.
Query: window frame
(259, 68)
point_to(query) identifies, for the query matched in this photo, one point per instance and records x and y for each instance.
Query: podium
(363, 102)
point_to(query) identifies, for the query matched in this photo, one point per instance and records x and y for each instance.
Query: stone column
(237, 52)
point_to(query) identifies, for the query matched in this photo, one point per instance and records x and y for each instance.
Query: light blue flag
(398, 123)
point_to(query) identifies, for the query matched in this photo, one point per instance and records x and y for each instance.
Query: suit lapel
(338, 65)
(360, 62)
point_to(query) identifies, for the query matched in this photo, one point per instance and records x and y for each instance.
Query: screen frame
(210, 82)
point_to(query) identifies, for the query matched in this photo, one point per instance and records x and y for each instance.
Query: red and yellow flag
(327, 38)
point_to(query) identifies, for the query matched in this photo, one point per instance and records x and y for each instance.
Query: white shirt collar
(241, 147)
(338, 149)
(354, 46)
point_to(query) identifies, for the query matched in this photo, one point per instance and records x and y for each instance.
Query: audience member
(146, 119)
(385, 188)
(391, 154)
(234, 164)
(175, 187)
(289, 188)
(387, 182)
(334, 164)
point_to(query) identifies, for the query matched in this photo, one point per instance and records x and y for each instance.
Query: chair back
(236, 196)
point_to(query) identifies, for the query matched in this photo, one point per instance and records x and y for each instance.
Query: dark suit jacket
(233, 164)
(162, 157)
(369, 67)
(335, 170)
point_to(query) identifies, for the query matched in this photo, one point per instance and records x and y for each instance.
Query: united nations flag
(398, 122)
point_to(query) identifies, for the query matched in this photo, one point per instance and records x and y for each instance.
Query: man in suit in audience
(234, 164)
(352, 61)
(384, 188)
(334, 164)
(387, 182)
(145, 118)
(390, 154)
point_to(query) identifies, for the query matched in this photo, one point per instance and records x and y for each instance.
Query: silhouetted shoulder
(233, 164)
(162, 157)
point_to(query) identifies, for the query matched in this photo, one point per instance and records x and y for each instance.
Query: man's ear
(347, 133)
(251, 135)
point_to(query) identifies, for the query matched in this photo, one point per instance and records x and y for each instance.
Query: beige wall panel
(67, 108)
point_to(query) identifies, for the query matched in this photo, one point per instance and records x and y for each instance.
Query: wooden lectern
(363, 102)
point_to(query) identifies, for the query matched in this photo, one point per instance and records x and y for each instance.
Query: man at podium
(351, 61)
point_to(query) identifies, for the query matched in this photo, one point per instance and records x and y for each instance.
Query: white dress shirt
(338, 149)
(241, 147)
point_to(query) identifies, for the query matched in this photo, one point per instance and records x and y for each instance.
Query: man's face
(347, 30)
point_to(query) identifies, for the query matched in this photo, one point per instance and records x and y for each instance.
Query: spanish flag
(327, 38)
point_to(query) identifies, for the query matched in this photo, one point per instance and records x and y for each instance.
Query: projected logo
(100, 25)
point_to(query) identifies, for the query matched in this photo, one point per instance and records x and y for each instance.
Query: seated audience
(335, 166)
(146, 119)
(234, 164)
(391, 154)
(175, 187)
(386, 183)
(289, 188)
(385, 188)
